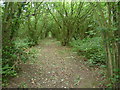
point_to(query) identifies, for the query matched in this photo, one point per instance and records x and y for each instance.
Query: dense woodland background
(90, 28)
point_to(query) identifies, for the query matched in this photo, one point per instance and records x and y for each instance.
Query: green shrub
(21, 43)
(12, 56)
(91, 48)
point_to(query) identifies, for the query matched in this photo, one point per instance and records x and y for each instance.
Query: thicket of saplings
(91, 29)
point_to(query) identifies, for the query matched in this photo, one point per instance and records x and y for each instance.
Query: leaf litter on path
(55, 66)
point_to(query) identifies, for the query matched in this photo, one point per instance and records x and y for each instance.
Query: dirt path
(55, 67)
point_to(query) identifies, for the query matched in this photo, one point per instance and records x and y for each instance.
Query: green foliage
(21, 43)
(12, 57)
(115, 78)
(85, 22)
(91, 48)
(8, 64)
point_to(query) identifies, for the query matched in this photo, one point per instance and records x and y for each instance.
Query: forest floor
(56, 66)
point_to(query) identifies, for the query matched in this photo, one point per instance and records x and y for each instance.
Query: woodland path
(56, 66)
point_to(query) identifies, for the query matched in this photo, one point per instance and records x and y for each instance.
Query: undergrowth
(12, 57)
(91, 48)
